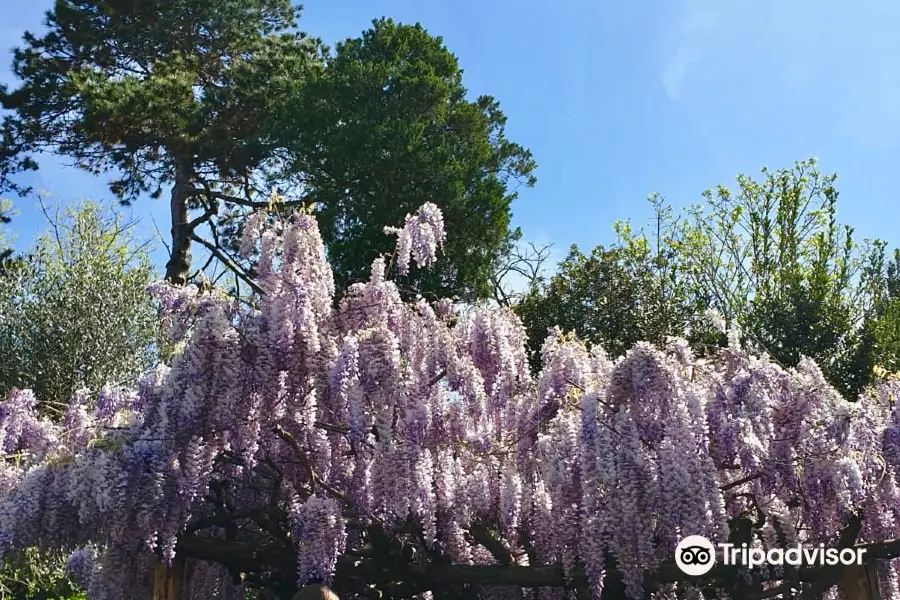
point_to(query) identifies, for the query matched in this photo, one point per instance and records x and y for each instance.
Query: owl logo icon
(695, 555)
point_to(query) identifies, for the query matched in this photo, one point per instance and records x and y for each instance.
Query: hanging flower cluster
(420, 238)
(308, 423)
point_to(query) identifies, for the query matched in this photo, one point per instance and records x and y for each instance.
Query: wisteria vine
(371, 443)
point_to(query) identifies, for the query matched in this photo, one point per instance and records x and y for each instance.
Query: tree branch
(314, 479)
(227, 262)
(493, 544)
(245, 202)
(210, 212)
(437, 378)
(739, 482)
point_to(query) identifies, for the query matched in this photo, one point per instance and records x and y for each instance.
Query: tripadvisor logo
(695, 555)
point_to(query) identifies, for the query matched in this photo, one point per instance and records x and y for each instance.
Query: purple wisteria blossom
(420, 238)
(302, 430)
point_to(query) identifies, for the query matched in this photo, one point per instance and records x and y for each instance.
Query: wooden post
(168, 580)
(860, 582)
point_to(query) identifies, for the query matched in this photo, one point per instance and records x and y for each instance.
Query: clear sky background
(621, 99)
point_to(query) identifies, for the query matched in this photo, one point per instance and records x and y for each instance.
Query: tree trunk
(169, 580)
(860, 582)
(180, 260)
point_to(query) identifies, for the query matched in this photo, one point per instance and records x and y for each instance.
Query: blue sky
(621, 99)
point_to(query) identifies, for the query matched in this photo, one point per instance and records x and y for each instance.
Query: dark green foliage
(607, 298)
(224, 99)
(133, 86)
(389, 127)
